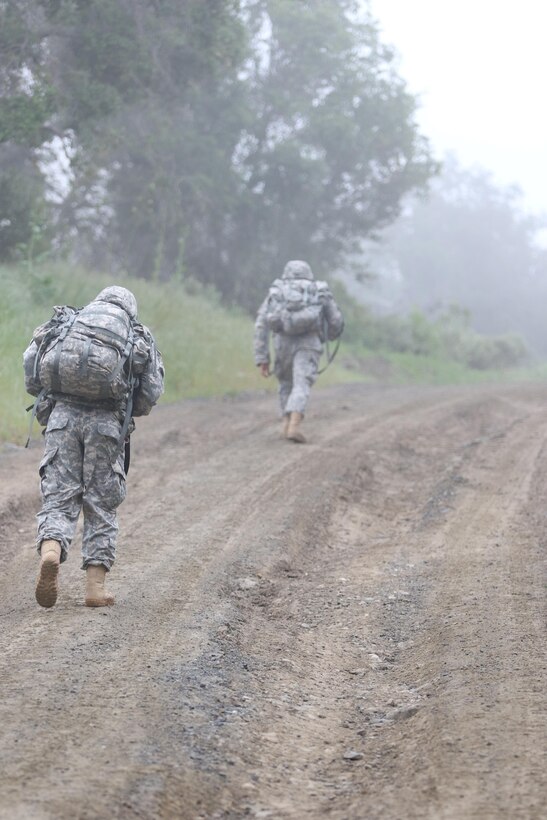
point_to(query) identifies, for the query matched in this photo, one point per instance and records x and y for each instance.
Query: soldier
(92, 370)
(302, 314)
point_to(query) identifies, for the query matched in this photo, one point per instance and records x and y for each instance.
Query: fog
(212, 142)
(478, 70)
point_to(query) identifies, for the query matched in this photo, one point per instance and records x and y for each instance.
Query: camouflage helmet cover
(297, 269)
(119, 296)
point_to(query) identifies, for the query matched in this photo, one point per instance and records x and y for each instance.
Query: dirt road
(352, 628)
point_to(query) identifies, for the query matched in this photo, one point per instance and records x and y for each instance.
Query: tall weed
(206, 347)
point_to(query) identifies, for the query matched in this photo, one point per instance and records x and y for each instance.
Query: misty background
(210, 141)
(478, 71)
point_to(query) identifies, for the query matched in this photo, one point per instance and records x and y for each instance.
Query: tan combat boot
(293, 433)
(94, 587)
(286, 421)
(46, 586)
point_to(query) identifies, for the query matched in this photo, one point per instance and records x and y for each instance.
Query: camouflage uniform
(296, 357)
(83, 466)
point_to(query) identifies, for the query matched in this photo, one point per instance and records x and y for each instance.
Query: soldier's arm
(333, 316)
(262, 335)
(151, 383)
(32, 383)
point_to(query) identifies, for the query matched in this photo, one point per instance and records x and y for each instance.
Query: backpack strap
(127, 355)
(127, 419)
(127, 456)
(41, 395)
(55, 376)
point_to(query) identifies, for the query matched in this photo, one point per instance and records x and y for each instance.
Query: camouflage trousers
(81, 472)
(296, 376)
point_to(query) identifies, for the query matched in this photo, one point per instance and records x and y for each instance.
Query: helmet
(297, 269)
(119, 296)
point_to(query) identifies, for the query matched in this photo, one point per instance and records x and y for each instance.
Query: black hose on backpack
(330, 357)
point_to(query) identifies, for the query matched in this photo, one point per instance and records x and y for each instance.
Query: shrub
(496, 352)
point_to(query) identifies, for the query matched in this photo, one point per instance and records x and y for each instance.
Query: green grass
(207, 348)
(409, 368)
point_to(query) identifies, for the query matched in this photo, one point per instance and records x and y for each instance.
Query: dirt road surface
(352, 628)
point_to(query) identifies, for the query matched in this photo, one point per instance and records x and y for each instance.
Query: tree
(26, 103)
(215, 138)
(331, 145)
(471, 243)
(151, 99)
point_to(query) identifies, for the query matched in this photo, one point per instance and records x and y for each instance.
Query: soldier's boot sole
(108, 600)
(47, 586)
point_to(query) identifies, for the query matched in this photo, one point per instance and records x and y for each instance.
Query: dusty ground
(352, 628)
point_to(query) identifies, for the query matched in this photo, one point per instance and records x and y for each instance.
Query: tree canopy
(210, 138)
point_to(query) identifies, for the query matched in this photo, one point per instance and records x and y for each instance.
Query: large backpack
(295, 306)
(87, 354)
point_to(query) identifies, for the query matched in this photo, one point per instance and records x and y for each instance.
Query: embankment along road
(351, 628)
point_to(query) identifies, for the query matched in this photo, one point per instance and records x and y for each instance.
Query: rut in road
(348, 628)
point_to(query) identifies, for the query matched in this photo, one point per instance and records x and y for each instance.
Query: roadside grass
(409, 368)
(207, 348)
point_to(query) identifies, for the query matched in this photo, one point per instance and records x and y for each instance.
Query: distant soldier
(92, 370)
(302, 314)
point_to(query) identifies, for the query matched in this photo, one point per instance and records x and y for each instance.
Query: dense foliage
(220, 363)
(472, 244)
(211, 139)
(448, 335)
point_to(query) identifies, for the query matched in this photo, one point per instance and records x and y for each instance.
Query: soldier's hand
(265, 369)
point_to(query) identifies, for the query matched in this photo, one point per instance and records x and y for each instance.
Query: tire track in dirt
(96, 657)
(311, 725)
(220, 684)
(94, 654)
(485, 755)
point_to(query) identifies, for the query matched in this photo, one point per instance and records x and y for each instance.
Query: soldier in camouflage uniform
(83, 464)
(296, 356)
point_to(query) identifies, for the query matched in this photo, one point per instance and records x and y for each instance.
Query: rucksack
(295, 306)
(92, 355)
(87, 354)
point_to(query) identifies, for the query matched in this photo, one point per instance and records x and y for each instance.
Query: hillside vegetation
(207, 347)
(211, 142)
